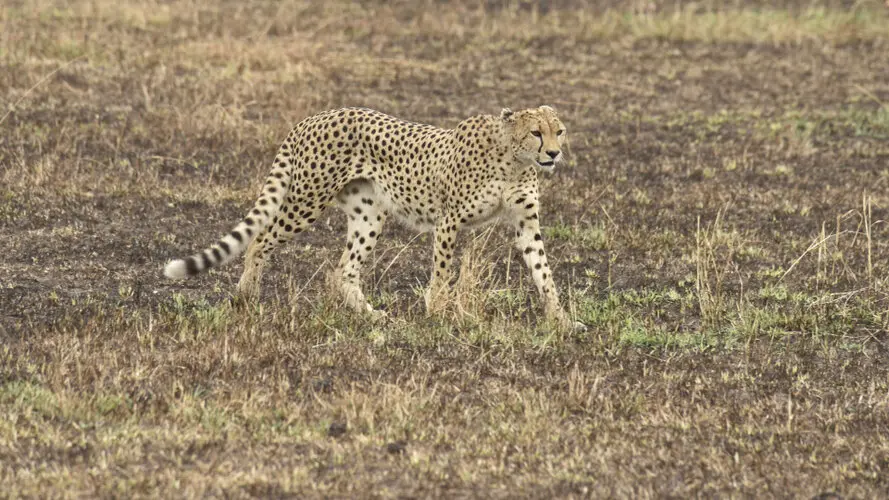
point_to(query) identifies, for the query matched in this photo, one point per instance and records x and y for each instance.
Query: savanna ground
(719, 226)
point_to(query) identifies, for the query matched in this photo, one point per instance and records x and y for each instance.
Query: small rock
(396, 447)
(337, 429)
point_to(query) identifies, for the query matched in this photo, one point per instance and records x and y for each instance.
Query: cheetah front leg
(529, 241)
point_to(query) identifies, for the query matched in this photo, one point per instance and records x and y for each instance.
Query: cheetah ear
(507, 114)
(547, 109)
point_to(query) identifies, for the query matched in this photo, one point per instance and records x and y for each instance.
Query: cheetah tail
(234, 243)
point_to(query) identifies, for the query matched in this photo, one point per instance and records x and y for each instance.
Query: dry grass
(720, 226)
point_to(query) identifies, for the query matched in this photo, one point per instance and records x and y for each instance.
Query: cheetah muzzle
(374, 166)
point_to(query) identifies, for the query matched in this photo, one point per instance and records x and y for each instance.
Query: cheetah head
(536, 136)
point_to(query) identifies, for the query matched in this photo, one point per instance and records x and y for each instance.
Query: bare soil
(720, 226)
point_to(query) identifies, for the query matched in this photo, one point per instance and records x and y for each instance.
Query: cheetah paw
(376, 314)
(564, 322)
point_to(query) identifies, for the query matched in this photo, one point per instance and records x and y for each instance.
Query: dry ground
(720, 227)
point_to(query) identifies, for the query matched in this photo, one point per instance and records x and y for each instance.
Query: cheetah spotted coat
(374, 166)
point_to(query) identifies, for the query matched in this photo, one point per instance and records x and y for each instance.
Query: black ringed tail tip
(191, 266)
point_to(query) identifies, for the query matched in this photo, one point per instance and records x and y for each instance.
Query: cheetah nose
(553, 154)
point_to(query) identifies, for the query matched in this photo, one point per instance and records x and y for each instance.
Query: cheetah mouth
(545, 165)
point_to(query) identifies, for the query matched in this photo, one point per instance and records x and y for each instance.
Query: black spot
(216, 254)
(236, 235)
(225, 248)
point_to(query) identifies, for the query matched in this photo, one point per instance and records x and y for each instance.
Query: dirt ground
(719, 225)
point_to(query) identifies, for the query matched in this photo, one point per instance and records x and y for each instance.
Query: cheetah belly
(421, 213)
(415, 211)
(486, 217)
(483, 213)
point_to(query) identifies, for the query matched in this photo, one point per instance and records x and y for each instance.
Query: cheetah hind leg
(366, 217)
(254, 262)
(283, 228)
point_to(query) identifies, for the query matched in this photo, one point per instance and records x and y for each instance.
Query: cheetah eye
(535, 133)
(560, 132)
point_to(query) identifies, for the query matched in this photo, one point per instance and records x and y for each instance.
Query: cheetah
(372, 166)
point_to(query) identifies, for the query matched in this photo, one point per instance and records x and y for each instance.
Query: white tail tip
(175, 269)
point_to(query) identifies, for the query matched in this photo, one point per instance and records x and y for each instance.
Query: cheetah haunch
(373, 165)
